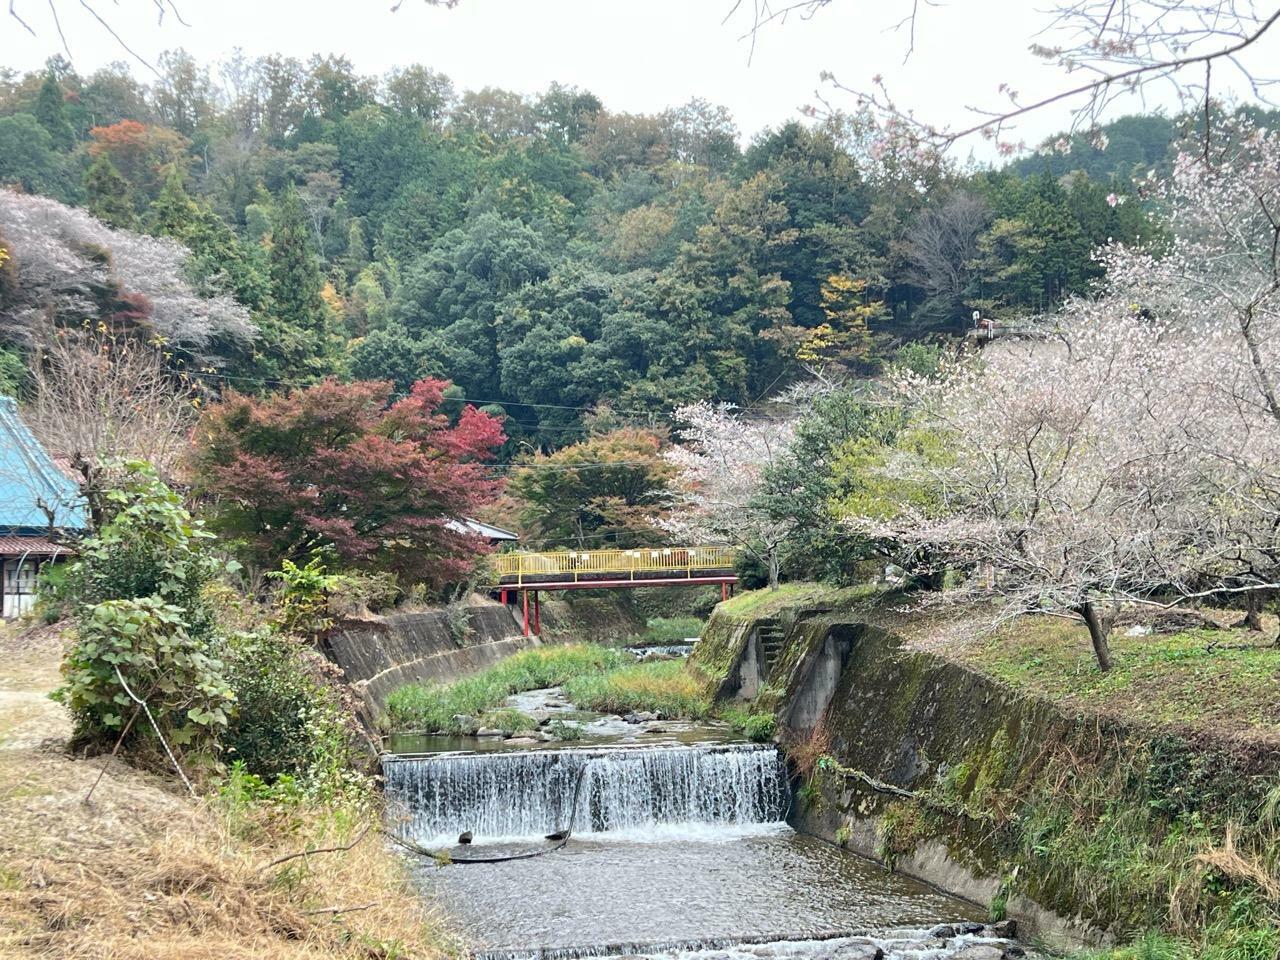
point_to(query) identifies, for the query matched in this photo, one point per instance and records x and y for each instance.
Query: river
(679, 847)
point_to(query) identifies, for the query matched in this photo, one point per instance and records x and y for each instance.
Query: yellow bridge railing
(687, 561)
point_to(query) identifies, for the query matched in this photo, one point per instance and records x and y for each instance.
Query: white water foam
(640, 794)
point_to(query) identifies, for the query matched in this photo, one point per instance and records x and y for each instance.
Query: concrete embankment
(380, 653)
(910, 757)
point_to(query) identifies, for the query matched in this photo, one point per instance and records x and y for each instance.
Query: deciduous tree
(611, 490)
(380, 480)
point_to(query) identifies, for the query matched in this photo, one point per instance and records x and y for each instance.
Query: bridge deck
(656, 565)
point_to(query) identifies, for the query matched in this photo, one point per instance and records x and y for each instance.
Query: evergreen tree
(297, 336)
(295, 275)
(51, 111)
(219, 260)
(108, 196)
(173, 212)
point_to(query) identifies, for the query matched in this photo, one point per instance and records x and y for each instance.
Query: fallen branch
(306, 853)
(337, 910)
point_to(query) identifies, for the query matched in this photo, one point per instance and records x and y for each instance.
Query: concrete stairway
(771, 637)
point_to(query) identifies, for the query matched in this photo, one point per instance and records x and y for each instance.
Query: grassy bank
(143, 872)
(673, 688)
(670, 630)
(433, 707)
(1218, 680)
(595, 678)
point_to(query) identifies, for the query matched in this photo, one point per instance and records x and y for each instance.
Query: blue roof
(31, 483)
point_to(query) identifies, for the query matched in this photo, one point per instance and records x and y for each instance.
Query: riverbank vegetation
(594, 678)
(464, 705)
(671, 688)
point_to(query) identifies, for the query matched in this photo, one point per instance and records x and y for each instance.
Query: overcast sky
(636, 55)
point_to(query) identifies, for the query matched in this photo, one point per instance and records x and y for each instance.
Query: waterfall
(531, 793)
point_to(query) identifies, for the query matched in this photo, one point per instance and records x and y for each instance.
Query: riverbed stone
(857, 951)
(972, 928)
(980, 951)
(943, 931)
(1005, 929)
(490, 732)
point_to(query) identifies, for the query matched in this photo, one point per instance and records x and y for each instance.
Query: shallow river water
(677, 849)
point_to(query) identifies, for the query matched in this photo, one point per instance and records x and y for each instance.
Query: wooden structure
(527, 574)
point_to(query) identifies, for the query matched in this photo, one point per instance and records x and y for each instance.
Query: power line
(602, 407)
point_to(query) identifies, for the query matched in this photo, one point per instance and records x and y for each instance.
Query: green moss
(994, 767)
(903, 826)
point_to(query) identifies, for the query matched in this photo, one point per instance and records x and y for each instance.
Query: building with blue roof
(41, 511)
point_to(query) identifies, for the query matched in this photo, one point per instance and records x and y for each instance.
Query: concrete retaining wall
(379, 655)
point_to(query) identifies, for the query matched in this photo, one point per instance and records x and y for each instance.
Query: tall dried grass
(201, 889)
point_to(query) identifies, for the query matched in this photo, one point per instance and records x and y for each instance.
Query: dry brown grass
(806, 749)
(143, 872)
(196, 891)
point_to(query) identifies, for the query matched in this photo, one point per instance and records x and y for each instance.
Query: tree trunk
(1099, 627)
(1252, 612)
(773, 569)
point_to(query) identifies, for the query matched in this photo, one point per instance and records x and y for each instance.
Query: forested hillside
(545, 254)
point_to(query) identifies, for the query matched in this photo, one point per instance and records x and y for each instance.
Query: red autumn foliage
(139, 151)
(343, 465)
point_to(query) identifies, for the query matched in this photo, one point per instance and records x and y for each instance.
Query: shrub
(144, 643)
(290, 721)
(137, 590)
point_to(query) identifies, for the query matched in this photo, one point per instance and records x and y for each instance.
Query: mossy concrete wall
(896, 723)
(378, 655)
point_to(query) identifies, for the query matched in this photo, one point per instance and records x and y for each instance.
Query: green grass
(674, 688)
(1223, 680)
(765, 602)
(671, 629)
(432, 707)
(758, 727)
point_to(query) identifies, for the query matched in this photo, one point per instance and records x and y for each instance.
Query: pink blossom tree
(722, 459)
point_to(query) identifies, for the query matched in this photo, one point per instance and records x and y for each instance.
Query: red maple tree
(344, 465)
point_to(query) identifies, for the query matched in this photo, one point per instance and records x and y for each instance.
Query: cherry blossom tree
(1065, 474)
(69, 267)
(1218, 283)
(722, 459)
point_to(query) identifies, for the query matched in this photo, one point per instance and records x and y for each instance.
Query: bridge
(531, 573)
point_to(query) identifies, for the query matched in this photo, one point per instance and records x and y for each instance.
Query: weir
(677, 852)
(632, 791)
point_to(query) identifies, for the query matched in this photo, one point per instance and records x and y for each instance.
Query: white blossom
(66, 261)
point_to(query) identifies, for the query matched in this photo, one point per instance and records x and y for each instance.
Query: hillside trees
(346, 466)
(539, 250)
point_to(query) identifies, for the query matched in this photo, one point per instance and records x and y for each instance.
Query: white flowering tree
(1061, 474)
(1218, 284)
(722, 459)
(68, 267)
